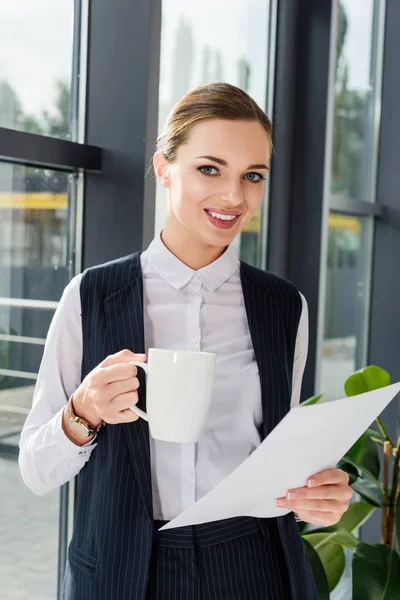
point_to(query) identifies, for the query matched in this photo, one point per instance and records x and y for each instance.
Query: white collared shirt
(183, 309)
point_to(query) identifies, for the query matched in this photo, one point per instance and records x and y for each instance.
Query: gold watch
(79, 425)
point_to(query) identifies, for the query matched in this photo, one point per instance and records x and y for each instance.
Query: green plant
(375, 567)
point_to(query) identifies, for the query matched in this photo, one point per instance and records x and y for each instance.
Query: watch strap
(72, 416)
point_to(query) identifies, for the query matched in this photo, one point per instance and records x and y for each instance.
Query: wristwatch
(79, 425)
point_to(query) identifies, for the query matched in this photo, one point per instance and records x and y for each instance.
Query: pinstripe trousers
(234, 559)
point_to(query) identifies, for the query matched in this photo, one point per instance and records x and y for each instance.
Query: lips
(223, 223)
(224, 211)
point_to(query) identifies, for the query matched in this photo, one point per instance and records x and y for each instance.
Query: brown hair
(212, 101)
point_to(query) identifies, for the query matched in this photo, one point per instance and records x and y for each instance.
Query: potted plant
(375, 567)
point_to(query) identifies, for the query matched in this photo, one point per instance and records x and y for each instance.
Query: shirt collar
(177, 274)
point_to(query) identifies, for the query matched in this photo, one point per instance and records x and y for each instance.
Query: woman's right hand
(107, 393)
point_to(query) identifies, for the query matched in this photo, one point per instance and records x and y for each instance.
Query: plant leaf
(369, 491)
(375, 432)
(350, 469)
(331, 555)
(318, 570)
(365, 456)
(355, 516)
(312, 400)
(376, 573)
(365, 380)
(337, 535)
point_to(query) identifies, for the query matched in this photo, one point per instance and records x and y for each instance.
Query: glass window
(36, 48)
(34, 269)
(349, 239)
(354, 116)
(359, 52)
(346, 301)
(221, 42)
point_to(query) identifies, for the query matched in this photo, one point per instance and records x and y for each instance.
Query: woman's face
(216, 182)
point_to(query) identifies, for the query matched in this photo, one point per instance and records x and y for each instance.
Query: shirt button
(189, 476)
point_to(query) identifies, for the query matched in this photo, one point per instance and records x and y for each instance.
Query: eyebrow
(223, 162)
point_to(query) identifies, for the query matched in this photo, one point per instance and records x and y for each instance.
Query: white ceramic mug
(178, 393)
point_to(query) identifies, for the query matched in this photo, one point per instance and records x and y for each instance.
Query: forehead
(225, 139)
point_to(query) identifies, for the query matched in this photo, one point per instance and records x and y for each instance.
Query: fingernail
(280, 502)
(311, 482)
(291, 495)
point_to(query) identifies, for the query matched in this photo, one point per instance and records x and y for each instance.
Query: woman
(186, 291)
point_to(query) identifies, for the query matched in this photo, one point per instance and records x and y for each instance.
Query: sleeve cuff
(67, 447)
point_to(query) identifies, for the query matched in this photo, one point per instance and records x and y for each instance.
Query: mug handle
(135, 409)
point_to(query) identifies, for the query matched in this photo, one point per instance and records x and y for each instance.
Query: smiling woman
(186, 291)
(212, 156)
(225, 41)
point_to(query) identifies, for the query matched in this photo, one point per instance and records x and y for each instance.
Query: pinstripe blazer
(109, 554)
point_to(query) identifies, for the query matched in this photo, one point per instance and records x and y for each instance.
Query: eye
(209, 171)
(255, 177)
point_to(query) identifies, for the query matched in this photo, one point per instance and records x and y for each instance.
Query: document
(309, 439)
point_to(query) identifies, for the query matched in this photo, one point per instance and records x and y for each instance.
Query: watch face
(79, 428)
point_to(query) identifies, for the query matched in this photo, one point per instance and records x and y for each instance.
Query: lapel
(267, 335)
(124, 314)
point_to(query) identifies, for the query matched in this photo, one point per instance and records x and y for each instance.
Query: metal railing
(23, 303)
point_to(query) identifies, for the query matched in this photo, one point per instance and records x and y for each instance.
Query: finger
(129, 416)
(318, 505)
(316, 518)
(121, 356)
(123, 402)
(114, 389)
(328, 476)
(125, 416)
(113, 373)
(335, 492)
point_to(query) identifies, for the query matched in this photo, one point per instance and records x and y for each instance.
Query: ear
(161, 168)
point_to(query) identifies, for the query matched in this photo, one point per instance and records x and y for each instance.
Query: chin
(218, 239)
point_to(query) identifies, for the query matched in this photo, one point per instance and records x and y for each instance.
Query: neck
(189, 249)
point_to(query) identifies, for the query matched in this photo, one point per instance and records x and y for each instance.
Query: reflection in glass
(354, 113)
(36, 48)
(34, 218)
(347, 284)
(221, 42)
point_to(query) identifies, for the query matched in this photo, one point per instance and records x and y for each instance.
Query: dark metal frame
(122, 114)
(46, 152)
(297, 174)
(355, 207)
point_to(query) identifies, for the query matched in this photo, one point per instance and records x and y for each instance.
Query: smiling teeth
(222, 217)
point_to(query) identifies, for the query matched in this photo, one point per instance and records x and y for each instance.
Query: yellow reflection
(33, 200)
(344, 223)
(253, 226)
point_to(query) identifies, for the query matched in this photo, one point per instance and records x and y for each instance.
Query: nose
(232, 194)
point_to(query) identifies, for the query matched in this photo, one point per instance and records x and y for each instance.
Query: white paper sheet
(308, 440)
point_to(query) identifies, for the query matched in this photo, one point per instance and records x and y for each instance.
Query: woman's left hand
(324, 501)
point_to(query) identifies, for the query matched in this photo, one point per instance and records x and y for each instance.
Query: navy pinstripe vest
(112, 539)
